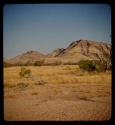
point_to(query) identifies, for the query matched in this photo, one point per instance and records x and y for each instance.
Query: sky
(46, 27)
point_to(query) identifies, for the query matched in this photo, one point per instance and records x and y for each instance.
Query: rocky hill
(85, 48)
(76, 51)
(28, 57)
(81, 50)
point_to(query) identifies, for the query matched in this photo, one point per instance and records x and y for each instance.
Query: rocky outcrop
(84, 48)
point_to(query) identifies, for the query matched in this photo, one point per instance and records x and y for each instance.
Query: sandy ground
(58, 102)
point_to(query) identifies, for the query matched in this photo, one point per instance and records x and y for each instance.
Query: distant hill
(28, 57)
(76, 51)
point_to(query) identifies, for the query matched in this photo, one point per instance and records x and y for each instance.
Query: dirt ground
(55, 102)
(66, 96)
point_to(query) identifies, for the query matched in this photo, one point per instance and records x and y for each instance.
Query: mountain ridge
(76, 50)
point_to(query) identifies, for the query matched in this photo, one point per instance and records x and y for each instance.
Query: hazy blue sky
(45, 27)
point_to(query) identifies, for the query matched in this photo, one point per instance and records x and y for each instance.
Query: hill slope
(82, 48)
(76, 51)
(28, 57)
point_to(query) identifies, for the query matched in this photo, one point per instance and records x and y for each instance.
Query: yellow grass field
(68, 94)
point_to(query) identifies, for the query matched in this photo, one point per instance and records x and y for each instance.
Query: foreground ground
(68, 94)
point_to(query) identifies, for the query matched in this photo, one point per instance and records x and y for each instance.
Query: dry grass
(55, 74)
(91, 84)
(34, 93)
(80, 95)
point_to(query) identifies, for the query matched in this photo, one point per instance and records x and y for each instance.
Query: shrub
(87, 65)
(25, 72)
(39, 63)
(93, 65)
(101, 67)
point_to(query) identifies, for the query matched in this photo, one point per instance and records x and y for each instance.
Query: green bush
(93, 65)
(87, 65)
(25, 72)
